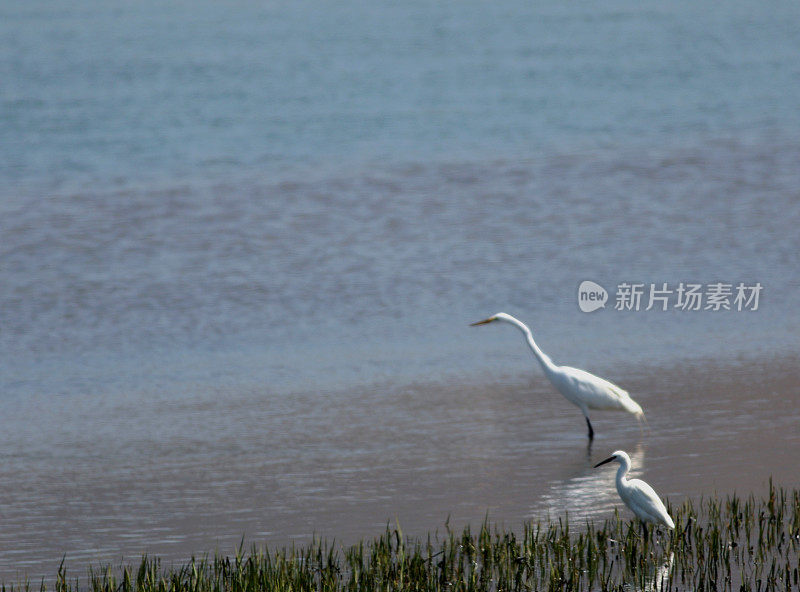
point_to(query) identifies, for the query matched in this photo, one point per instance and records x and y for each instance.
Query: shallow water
(240, 250)
(99, 478)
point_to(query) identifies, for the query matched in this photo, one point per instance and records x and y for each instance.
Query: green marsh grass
(729, 543)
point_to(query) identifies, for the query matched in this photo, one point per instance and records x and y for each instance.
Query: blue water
(291, 178)
(156, 93)
(208, 208)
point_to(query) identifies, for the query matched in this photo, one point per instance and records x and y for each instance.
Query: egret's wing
(598, 393)
(646, 500)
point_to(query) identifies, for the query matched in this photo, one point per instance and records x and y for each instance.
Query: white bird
(638, 495)
(579, 387)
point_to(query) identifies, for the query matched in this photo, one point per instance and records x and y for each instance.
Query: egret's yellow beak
(483, 322)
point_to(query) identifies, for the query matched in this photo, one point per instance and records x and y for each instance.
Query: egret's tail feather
(632, 406)
(625, 401)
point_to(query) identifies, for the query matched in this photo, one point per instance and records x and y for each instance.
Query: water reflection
(660, 579)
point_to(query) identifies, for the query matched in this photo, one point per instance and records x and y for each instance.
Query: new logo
(591, 296)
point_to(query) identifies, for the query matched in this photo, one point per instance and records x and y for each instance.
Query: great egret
(638, 495)
(579, 387)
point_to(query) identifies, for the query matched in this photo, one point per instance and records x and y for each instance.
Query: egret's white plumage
(638, 495)
(579, 387)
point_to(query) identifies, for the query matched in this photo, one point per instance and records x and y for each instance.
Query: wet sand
(106, 479)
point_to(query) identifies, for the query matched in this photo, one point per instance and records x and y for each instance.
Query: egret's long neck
(624, 467)
(544, 360)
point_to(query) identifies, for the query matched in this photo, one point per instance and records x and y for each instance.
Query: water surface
(240, 247)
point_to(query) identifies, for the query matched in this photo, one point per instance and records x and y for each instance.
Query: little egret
(638, 495)
(579, 387)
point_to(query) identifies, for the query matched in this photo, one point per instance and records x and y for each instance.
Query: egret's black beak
(483, 322)
(608, 460)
